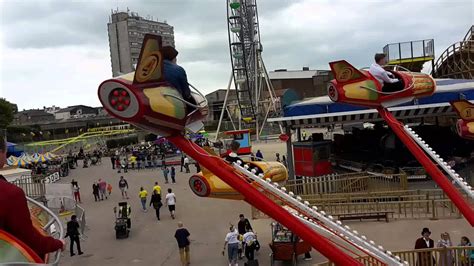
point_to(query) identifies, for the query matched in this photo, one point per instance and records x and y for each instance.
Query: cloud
(56, 51)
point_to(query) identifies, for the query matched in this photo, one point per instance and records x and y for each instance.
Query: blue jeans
(232, 250)
(143, 200)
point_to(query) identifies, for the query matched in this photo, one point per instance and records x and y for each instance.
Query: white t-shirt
(249, 238)
(170, 199)
(232, 237)
(186, 160)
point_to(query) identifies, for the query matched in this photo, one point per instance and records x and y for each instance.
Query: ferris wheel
(248, 70)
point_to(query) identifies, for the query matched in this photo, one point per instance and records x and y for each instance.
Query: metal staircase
(365, 250)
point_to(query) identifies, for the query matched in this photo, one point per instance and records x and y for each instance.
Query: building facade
(126, 31)
(76, 111)
(306, 82)
(33, 116)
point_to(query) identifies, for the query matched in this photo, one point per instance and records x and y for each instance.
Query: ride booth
(242, 137)
(311, 158)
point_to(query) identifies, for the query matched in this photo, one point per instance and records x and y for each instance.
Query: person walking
(198, 167)
(118, 165)
(109, 188)
(73, 233)
(123, 186)
(171, 202)
(242, 226)
(173, 175)
(75, 189)
(156, 202)
(142, 195)
(157, 188)
(95, 191)
(259, 155)
(232, 244)
(102, 189)
(165, 173)
(182, 237)
(250, 240)
(112, 160)
(283, 160)
(182, 162)
(277, 157)
(186, 164)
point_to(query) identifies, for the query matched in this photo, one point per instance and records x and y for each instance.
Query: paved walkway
(152, 242)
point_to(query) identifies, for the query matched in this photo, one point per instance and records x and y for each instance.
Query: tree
(7, 109)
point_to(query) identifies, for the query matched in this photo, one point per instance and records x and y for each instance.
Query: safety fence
(347, 183)
(403, 204)
(463, 256)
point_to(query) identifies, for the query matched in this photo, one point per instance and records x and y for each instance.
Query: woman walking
(156, 202)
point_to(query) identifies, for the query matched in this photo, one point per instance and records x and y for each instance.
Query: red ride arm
(443, 182)
(16, 220)
(254, 197)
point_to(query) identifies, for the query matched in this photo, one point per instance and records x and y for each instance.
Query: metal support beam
(289, 154)
(224, 106)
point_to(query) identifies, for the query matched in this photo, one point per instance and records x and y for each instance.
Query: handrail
(439, 254)
(469, 33)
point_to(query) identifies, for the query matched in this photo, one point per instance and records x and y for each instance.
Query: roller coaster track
(64, 142)
(457, 61)
(301, 218)
(427, 158)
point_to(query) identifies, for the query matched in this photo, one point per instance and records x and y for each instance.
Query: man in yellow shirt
(143, 194)
(157, 188)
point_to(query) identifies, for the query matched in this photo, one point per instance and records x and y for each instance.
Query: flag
(23, 134)
(67, 131)
(41, 132)
(32, 134)
(48, 133)
(80, 130)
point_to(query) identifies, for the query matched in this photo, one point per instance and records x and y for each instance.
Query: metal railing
(409, 50)
(432, 256)
(52, 226)
(347, 183)
(402, 204)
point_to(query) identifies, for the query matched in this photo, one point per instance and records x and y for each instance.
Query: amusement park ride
(465, 125)
(248, 69)
(145, 99)
(359, 87)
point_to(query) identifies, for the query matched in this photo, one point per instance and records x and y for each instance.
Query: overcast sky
(57, 53)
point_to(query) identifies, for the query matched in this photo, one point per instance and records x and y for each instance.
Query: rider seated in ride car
(175, 74)
(15, 215)
(387, 80)
(232, 156)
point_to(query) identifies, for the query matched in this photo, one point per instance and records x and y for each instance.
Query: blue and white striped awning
(321, 111)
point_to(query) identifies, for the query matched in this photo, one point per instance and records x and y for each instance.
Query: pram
(94, 160)
(122, 220)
